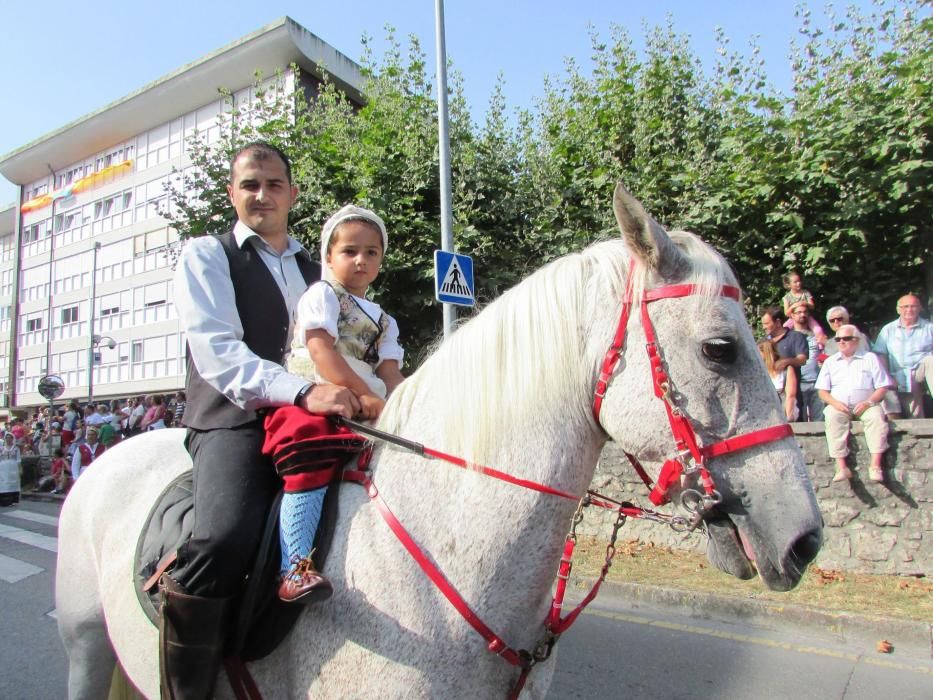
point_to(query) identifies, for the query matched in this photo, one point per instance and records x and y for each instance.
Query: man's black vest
(265, 319)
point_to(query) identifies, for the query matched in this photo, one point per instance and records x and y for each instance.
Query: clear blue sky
(66, 58)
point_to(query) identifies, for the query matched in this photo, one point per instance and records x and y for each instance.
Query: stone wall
(869, 528)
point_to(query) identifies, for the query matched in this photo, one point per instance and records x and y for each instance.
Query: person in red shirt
(19, 432)
(86, 452)
(60, 472)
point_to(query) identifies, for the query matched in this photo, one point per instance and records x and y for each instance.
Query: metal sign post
(443, 143)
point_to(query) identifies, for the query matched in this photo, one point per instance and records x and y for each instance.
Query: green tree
(834, 179)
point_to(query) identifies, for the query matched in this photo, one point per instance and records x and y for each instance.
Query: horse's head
(714, 382)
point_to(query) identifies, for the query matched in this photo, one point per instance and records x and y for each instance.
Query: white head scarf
(345, 213)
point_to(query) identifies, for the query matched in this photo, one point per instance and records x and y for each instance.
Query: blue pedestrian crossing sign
(453, 278)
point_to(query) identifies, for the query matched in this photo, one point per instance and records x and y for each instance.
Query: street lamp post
(96, 341)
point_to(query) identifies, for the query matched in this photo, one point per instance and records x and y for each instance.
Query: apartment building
(7, 271)
(85, 256)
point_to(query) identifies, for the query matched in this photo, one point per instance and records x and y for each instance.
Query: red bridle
(690, 458)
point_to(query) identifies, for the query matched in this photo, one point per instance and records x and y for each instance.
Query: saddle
(263, 620)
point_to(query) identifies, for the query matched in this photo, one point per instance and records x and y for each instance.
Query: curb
(47, 497)
(913, 637)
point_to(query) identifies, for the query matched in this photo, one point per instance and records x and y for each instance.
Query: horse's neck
(498, 543)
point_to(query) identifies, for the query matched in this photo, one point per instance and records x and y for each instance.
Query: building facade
(85, 254)
(7, 272)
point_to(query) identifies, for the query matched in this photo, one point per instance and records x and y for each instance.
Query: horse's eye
(719, 350)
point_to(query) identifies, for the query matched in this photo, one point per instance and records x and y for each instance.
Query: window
(137, 351)
(32, 233)
(70, 315)
(155, 294)
(33, 324)
(67, 221)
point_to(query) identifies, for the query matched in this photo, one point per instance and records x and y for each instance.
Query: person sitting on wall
(905, 346)
(852, 384)
(60, 472)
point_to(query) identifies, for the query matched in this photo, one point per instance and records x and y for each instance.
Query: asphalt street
(616, 650)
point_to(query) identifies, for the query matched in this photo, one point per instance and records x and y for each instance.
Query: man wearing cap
(87, 451)
(852, 384)
(905, 346)
(236, 295)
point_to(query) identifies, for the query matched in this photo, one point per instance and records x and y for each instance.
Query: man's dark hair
(261, 150)
(775, 312)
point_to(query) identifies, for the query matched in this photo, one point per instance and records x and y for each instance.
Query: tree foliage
(833, 179)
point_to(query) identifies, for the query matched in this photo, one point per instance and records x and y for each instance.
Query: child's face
(795, 283)
(355, 256)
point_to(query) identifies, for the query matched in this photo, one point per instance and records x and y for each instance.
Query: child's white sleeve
(318, 308)
(389, 348)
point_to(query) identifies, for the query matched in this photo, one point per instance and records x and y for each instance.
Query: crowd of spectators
(71, 436)
(844, 375)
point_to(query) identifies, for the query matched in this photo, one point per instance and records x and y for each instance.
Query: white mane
(527, 349)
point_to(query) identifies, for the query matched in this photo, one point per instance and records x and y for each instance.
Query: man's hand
(861, 407)
(330, 399)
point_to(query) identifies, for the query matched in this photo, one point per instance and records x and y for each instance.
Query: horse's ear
(646, 238)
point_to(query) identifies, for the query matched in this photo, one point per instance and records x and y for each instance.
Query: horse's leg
(81, 626)
(91, 661)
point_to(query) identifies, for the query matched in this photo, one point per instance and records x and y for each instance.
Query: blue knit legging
(298, 521)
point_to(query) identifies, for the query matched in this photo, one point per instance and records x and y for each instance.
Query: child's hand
(371, 406)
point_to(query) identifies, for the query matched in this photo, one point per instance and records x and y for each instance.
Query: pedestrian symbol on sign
(453, 278)
(452, 283)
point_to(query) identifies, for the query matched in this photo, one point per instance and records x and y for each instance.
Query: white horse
(513, 388)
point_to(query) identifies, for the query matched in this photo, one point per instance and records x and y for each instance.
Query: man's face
(771, 326)
(261, 193)
(908, 308)
(800, 314)
(847, 338)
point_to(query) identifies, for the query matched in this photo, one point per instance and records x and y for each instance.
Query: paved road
(32, 660)
(612, 652)
(617, 652)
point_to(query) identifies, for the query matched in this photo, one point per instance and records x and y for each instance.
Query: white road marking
(13, 570)
(34, 517)
(50, 544)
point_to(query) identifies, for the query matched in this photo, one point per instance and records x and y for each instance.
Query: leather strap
(742, 442)
(241, 680)
(161, 566)
(495, 643)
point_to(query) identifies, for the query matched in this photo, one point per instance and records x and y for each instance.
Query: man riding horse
(236, 295)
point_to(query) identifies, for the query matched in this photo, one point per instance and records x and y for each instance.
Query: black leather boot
(191, 640)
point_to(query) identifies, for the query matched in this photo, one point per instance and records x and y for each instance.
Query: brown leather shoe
(304, 584)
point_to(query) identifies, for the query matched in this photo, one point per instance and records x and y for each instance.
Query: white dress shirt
(206, 304)
(854, 379)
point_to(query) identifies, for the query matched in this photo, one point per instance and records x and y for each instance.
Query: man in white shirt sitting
(852, 383)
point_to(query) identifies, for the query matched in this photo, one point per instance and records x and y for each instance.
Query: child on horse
(340, 338)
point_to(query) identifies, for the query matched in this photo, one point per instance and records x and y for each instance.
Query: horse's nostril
(803, 551)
